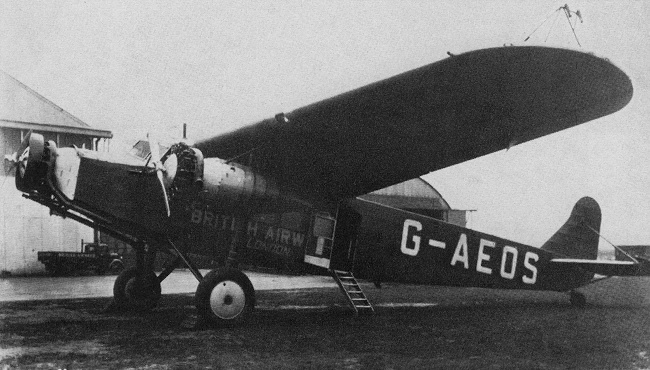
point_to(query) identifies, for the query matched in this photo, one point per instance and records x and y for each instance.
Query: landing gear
(577, 299)
(137, 288)
(225, 297)
(133, 292)
(116, 267)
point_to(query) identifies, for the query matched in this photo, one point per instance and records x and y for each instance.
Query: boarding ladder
(350, 287)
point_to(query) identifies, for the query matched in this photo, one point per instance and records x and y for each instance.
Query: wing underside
(445, 113)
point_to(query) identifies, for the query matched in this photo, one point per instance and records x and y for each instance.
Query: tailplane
(578, 237)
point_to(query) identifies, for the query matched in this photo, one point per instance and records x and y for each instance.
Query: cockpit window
(141, 149)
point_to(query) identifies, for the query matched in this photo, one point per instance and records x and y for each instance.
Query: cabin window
(324, 227)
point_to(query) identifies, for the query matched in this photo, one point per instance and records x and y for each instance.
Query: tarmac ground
(304, 322)
(94, 286)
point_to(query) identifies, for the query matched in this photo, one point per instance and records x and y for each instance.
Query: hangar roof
(412, 194)
(24, 108)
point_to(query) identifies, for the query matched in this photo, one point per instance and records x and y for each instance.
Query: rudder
(578, 237)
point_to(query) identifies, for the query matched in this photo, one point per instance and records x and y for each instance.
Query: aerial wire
(568, 13)
(557, 14)
(541, 24)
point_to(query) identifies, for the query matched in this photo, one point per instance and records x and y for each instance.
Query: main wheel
(116, 267)
(225, 297)
(132, 293)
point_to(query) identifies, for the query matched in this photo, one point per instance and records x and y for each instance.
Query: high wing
(444, 113)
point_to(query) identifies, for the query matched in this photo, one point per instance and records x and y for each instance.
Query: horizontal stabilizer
(609, 268)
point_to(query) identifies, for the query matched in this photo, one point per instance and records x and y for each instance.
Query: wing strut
(614, 245)
(190, 265)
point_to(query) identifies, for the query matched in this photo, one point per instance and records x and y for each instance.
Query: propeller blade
(162, 185)
(25, 143)
(16, 156)
(154, 149)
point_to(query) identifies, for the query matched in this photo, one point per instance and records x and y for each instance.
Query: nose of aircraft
(29, 162)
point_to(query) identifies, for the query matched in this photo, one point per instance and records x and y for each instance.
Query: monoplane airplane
(284, 192)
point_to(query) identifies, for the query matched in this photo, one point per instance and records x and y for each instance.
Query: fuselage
(233, 208)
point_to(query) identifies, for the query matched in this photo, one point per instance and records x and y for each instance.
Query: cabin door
(333, 241)
(319, 249)
(345, 238)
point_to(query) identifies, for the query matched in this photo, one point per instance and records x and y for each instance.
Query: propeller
(30, 150)
(154, 157)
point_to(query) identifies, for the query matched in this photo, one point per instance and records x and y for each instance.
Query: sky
(135, 67)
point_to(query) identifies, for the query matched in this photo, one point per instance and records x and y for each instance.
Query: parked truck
(93, 257)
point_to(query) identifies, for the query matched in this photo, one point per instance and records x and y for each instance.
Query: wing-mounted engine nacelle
(232, 185)
(32, 161)
(223, 183)
(183, 167)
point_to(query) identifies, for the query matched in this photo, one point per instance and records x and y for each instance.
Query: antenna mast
(568, 13)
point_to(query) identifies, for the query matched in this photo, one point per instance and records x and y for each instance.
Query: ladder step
(352, 290)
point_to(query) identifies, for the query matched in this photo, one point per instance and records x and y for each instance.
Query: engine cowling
(227, 185)
(230, 184)
(31, 162)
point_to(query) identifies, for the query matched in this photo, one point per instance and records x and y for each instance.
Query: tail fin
(578, 237)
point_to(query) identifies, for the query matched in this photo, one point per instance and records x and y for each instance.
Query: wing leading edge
(438, 115)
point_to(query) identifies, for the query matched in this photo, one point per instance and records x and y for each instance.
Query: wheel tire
(128, 295)
(225, 297)
(115, 267)
(577, 299)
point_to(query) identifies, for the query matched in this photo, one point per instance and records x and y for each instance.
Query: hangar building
(25, 226)
(418, 196)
